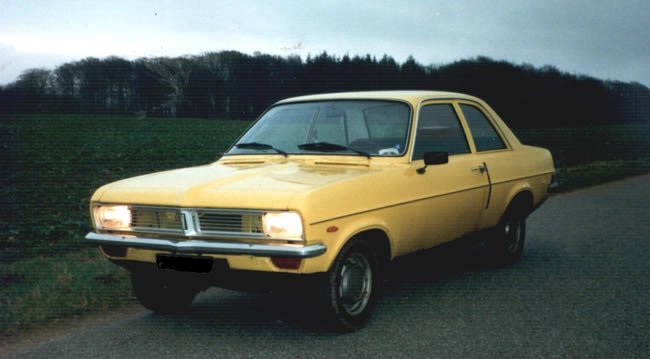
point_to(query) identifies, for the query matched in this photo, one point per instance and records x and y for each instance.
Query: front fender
(335, 233)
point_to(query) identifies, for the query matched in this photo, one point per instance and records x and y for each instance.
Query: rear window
(484, 134)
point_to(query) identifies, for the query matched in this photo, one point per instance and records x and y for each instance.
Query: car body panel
(352, 193)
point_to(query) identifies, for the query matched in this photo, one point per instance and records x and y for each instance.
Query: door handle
(484, 168)
(481, 168)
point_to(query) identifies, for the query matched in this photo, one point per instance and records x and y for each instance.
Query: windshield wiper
(260, 146)
(329, 147)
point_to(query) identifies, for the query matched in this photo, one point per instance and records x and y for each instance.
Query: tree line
(234, 85)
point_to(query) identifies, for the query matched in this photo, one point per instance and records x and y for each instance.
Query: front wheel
(351, 286)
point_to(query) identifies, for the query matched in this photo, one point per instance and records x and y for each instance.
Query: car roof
(413, 97)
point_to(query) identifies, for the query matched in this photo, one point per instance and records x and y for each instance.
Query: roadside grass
(51, 164)
(589, 156)
(577, 146)
(593, 173)
(41, 289)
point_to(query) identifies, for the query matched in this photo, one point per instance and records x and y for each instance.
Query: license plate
(188, 264)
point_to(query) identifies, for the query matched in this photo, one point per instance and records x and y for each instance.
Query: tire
(162, 293)
(351, 286)
(507, 240)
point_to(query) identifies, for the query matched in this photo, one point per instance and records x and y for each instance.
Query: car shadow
(433, 278)
(412, 275)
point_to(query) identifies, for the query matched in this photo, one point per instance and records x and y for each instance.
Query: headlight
(282, 225)
(112, 217)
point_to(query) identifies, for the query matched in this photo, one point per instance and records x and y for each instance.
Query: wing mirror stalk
(433, 158)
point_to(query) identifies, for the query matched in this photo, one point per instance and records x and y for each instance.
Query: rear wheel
(507, 241)
(163, 293)
(351, 286)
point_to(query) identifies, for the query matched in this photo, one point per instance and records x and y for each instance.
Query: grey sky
(606, 39)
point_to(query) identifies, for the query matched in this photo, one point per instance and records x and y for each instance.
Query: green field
(588, 156)
(56, 162)
(51, 164)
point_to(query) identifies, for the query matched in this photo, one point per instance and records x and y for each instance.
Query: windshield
(368, 128)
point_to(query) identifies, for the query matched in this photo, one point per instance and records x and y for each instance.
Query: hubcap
(356, 283)
(512, 234)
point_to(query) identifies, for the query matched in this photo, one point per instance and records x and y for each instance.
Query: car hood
(219, 185)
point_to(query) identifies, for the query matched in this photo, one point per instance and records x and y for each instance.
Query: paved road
(581, 290)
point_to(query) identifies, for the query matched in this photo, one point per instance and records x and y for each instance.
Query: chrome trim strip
(491, 120)
(208, 247)
(242, 235)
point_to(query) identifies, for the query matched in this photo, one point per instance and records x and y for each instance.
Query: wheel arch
(521, 200)
(377, 238)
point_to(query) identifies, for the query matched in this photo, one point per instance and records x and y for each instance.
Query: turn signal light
(286, 263)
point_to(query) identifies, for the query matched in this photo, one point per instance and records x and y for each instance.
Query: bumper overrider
(194, 246)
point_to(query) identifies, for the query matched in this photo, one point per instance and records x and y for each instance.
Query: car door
(493, 155)
(453, 194)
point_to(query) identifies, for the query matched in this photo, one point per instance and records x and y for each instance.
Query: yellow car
(325, 189)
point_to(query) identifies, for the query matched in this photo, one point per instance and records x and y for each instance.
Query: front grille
(213, 221)
(156, 218)
(198, 222)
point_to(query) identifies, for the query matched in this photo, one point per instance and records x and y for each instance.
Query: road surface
(581, 290)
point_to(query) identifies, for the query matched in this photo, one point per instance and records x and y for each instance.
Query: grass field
(588, 156)
(51, 164)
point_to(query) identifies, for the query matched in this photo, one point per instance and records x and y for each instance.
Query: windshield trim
(352, 153)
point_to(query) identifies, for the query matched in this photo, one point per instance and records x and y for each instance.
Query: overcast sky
(606, 39)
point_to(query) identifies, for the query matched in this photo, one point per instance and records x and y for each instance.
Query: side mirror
(433, 158)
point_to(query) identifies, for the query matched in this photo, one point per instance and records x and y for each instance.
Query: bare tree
(175, 73)
(68, 79)
(118, 72)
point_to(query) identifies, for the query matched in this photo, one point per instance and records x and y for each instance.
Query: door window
(439, 130)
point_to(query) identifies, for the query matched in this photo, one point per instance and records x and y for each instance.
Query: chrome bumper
(193, 246)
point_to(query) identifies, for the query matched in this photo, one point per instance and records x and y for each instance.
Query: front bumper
(193, 246)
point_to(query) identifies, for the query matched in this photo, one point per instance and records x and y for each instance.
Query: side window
(485, 136)
(439, 130)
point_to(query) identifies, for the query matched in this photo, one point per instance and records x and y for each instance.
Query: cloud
(13, 62)
(604, 39)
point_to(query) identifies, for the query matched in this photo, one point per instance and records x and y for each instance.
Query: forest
(236, 86)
